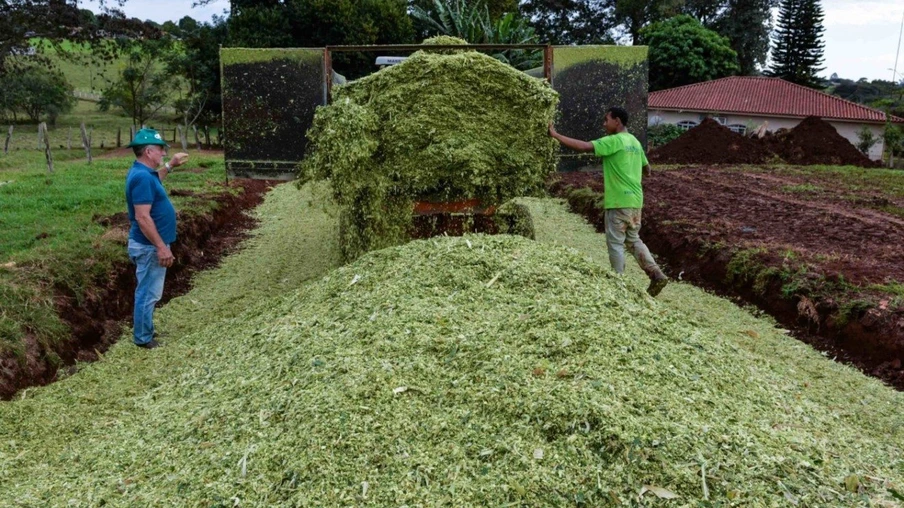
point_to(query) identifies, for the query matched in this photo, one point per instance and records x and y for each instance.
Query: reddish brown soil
(711, 143)
(696, 218)
(97, 319)
(127, 152)
(814, 141)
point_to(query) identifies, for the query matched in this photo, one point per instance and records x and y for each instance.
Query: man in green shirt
(623, 164)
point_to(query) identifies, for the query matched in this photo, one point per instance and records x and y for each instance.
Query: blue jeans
(149, 290)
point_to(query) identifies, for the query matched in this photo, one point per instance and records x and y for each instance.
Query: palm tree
(471, 21)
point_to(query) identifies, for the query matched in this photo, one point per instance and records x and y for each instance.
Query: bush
(867, 140)
(661, 134)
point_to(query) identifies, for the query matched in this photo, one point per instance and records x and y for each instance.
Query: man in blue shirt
(153, 227)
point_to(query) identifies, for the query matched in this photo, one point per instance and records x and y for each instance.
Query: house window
(687, 124)
(739, 128)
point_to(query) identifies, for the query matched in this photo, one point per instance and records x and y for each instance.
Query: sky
(861, 36)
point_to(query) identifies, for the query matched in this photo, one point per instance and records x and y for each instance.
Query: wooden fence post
(118, 137)
(131, 132)
(183, 137)
(9, 136)
(197, 139)
(175, 133)
(207, 136)
(86, 142)
(47, 153)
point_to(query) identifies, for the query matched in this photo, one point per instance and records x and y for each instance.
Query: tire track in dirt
(737, 212)
(876, 217)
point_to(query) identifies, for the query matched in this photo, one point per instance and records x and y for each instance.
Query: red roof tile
(756, 95)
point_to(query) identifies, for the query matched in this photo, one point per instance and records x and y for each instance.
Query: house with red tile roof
(743, 103)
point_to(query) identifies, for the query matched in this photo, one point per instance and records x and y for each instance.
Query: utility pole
(894, 75)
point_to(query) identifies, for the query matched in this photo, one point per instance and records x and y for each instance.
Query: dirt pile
(711, 143)
(815, 141)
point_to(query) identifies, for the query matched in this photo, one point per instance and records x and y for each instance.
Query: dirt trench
(97, 319)
(691, 210)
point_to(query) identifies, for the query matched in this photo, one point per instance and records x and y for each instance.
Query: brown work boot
(657, 283)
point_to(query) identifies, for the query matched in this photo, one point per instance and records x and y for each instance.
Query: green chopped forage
(471, 371)
(436, 127)
(445, 40)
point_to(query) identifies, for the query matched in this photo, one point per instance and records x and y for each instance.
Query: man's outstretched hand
(178, 159)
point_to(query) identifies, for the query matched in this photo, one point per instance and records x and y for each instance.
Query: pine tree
(798, 51)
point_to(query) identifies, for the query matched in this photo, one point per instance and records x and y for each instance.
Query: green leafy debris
(408, 378)
(437, 127)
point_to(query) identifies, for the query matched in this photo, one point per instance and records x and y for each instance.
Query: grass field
(103, 127)
(404, 379)
(50, 237)
(85, 75)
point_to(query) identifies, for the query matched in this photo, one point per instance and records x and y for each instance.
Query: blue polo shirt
(143, 187)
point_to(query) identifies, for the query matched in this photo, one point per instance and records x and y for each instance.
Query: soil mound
(711, 143)
(815, 141)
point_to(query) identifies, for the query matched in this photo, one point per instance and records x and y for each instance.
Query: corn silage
(475, 371)
(441, 126)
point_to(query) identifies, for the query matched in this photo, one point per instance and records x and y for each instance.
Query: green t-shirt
(623, 162)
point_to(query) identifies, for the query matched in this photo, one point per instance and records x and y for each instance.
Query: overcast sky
(861, 36)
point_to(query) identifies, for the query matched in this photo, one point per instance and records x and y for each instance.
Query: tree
(636, 14)
(44, 92)
(747, 25)
(198, 63)
(707, 11)
(893, 137)
(36, 91)
(496, 8)
(141, 89)
(682, 51)
(571, 21)
(11, 95)
(315, 23)
(798, 50)
(56, 21)
(473, 23)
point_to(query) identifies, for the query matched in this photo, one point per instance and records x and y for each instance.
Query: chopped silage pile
(473, 371)
(444, 125)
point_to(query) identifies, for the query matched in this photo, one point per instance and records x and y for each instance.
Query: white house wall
(850, 130)
(846, 129)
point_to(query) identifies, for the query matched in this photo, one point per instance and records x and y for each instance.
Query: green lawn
(50, 236)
